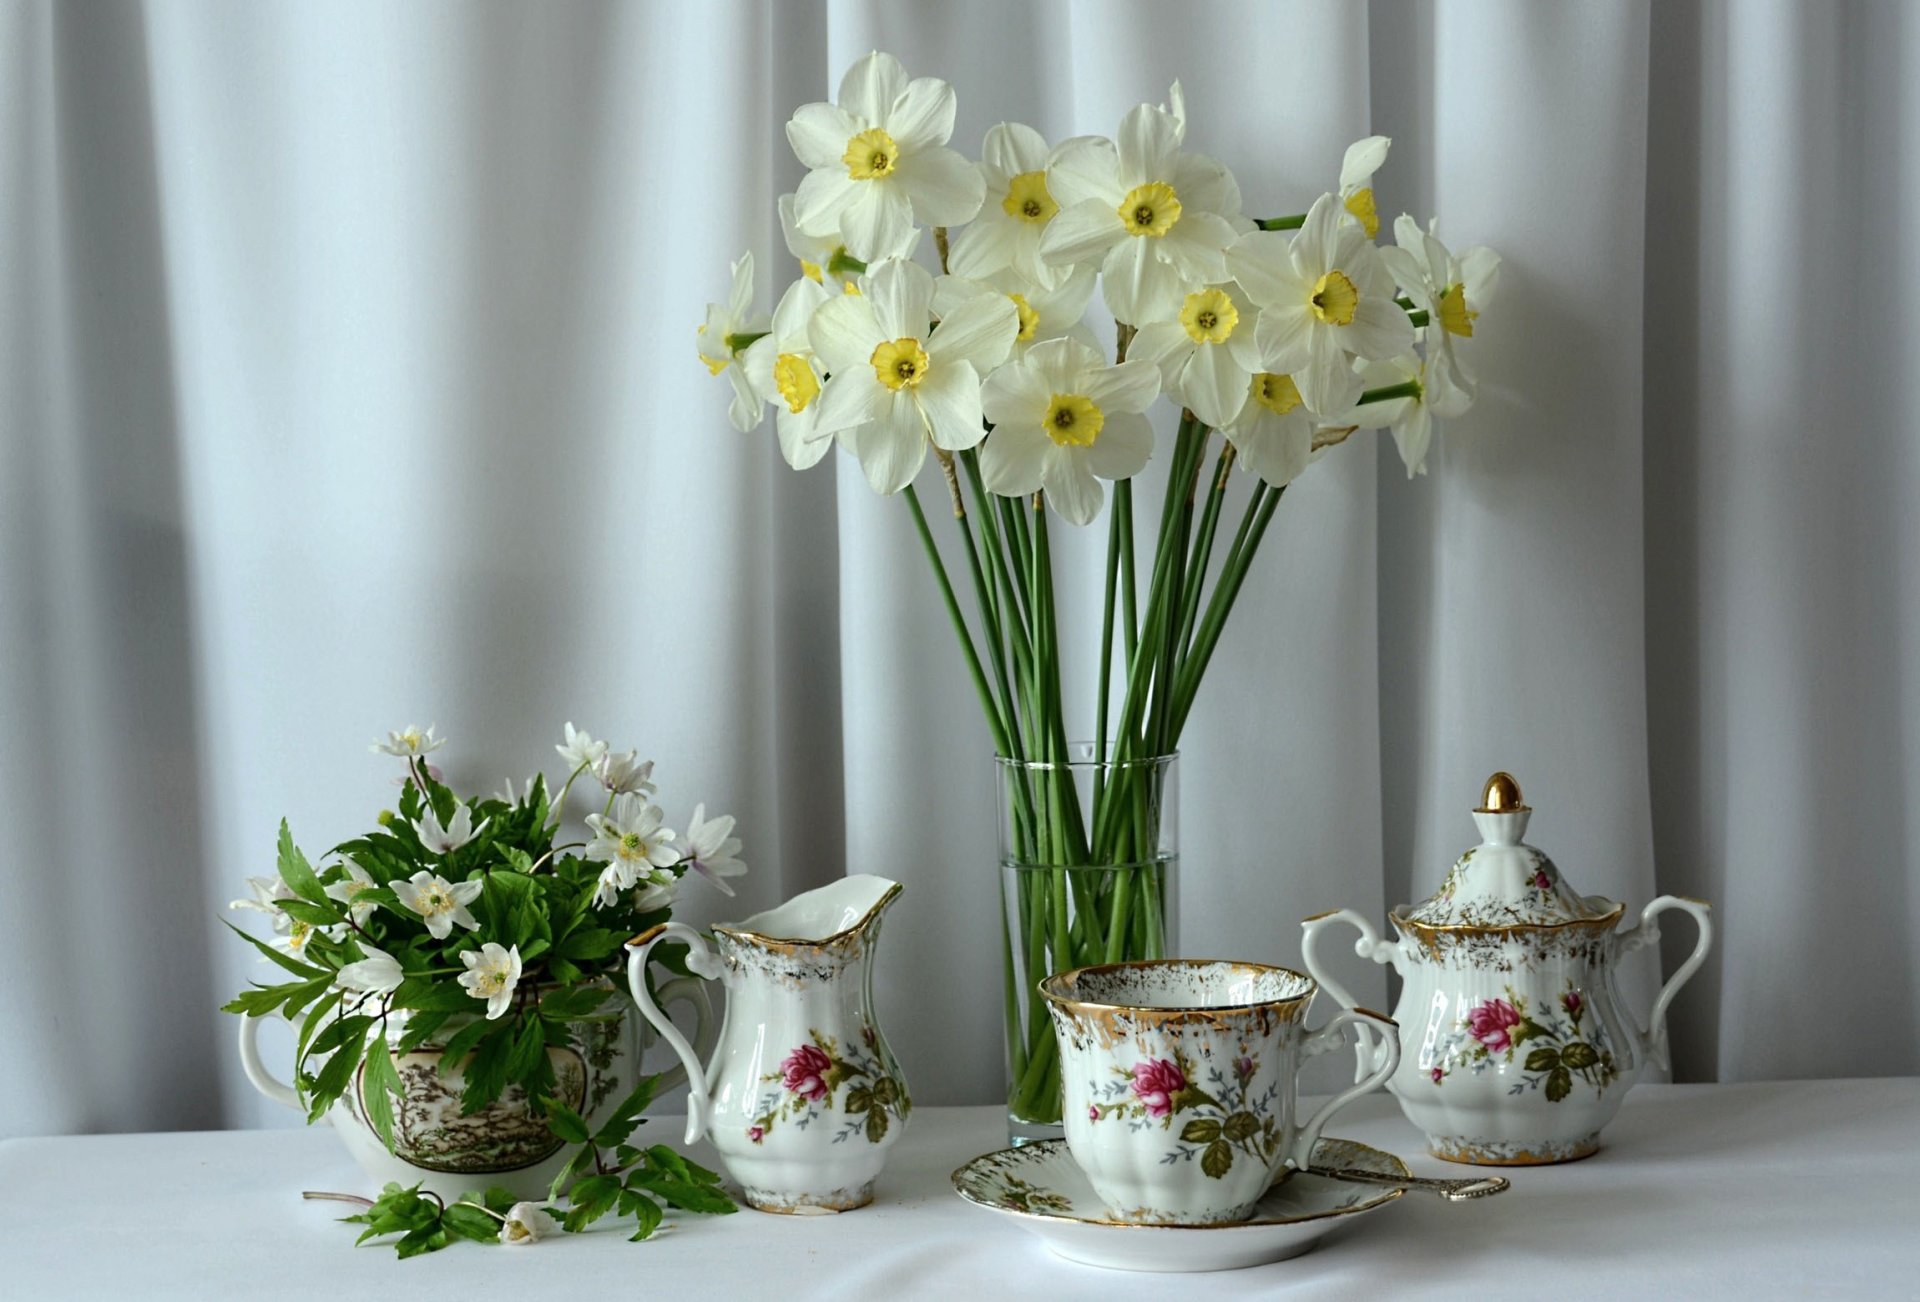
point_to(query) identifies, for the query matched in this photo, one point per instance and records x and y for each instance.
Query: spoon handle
(1454, 1191)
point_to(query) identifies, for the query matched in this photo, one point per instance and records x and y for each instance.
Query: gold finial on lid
(1501, 796)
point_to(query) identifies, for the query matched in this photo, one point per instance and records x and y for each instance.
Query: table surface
(1767, 1190)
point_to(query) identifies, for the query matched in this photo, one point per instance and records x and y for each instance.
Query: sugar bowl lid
(1504, 882)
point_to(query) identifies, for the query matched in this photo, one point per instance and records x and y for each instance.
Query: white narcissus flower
(1323, 298)
(1207, 357)
(824, 259)
(1273, 434)
(879, 161)
(439, 902)
(376, 974)
(579, 750)
(525, 1223)
(1441, 392)
(409, 742)
(1061, 417)
(1006, 234)
(1363, 159)
(621, 774)
(712, 849)
(492, 974)
(1043, 312)
(1452, 289)
(1155, 219)
(630, 840)
(726, 331)
(348, 889)
(896, 382)
(445, 840)
(782, 368)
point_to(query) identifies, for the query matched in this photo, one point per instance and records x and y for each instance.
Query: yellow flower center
(870, 155)
(492, 979)
(1150, 209)
(516, 1231)
(795, 380)
(1027, 198)
(901, 364)
(1335, 298)
(1029, 319)
(1275, 392)
(714, 365)
(811, 270)
(1360, 204)
(1072, 420)
(1209, 316)
(433, 901)
(633, 846)
(1455, 315)
(299, 935)
(850, 288)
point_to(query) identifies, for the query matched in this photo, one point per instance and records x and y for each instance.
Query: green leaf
(1193, 1097)
(876, 1125)
(470, 1222)
(575, 1164)
(307, 993)
(528, 1064)
(590, 944)
(434, 994)
(1527, 1030)
(317, 915)
(859, 1099)
(259, 1000)
(461, 1043)
(591, 1199)
(487, 1069)
(339, 1032)
(497, 1199)
(565, 1122)
(379, 1086)
(665, 1159)
(1217, 1160)
(420, 1028)
(430, 1239)
(315, 1022)
(621, 1121)
(1203, 1131)
(1559, 1084)
(305, 971)
(517, 859)
(1579, 1054)
(1241, 1125)
(333, 1078)
(1543, 1060)
(572, 1003)
(685, 1194)
(647, 1214)
(296, 872)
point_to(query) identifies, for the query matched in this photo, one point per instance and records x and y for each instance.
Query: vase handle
(702, 962)
(257, 1074)
(1653, 1040)
(1385, 1056)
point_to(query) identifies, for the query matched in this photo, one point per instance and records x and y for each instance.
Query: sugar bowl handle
(1653, 1041)
(702, 962)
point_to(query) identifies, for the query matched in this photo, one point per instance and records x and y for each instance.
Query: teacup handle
(1653, 1041)
(702, 962)
(1386, 1058)
(257, 1074)
(1368, 945)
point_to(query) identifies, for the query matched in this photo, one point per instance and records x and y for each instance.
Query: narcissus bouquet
(491, 930)
(1284, 336)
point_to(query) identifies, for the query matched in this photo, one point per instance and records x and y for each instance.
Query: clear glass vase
(1089, 849)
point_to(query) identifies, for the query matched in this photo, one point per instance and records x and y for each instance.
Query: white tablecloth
(1749, 1191)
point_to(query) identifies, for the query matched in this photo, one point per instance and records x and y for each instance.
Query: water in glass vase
(1089, 849)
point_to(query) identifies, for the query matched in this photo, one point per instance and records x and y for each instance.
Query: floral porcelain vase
(505, 1143)
(802, 1099)
(1516, 1048)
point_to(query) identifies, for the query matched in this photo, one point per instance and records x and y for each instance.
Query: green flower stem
(737, 342)
(1222, 605)
(1129, 594)
(959, 620)
(1106, 654)
(1386, 393)
(1203, 553)
(1293, 223)
(1418, 318)
(843, 263)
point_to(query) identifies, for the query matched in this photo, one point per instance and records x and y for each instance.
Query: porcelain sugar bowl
(1515, 1046)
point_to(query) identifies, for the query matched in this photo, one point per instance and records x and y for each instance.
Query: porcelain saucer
(1041, 1186)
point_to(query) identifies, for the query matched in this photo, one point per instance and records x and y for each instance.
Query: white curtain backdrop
(347, 381)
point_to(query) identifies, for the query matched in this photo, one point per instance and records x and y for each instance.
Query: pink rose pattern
(1226, 1116)
(805, 1072)
(811, 1078)
(1156, 1081)
(1492, 1035)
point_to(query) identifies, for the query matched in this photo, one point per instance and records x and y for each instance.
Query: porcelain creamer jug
(802, 1097)
(1515, 1047)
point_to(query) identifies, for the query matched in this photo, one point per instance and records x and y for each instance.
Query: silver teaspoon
(1453, 1191)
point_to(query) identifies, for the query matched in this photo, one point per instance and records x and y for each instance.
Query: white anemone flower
(348, 890)
(879, 161)
(409, 742)
(1363, 159)
(1323, 298)
(1042, 312)
(267, 894)
(896, 382)
(440, 903)
(727, 330)
(655, 892)
(376, 974)
(1154, 218)
(579, 750)
(1006, 235)
(1453, 289)
(626, 773)
(445, 840)
(783, 369)
(712, 848)
(1440, 393)
(630, 840)
(1207, 356)
(525, 1223)
(492, 974)
(1273, 434)
(1062, 417)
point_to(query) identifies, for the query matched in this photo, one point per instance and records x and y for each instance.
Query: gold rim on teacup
(1056, 989)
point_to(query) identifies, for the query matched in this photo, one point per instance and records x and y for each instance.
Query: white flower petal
(1195, 247)
(877, 220)
(1015, 393)
(747, 409)
(922, 118)
(1129, 387)
(819, 134)
(1012, 148)
(824, 195)
(1147, 142)
(850, 399)
(979, 331)
(986, 244)
(1012, 460)
(1071, 488)
(1166, 344)
(945, 188)
(1124, 447)
(1379, 329)
(1137, 285)
(872, 85)
(1205, 183)
(1214, 385)
(1283, 336)
(892, 447)
(902, 297)
(1363, 158)
(844, 334)
(1085, 167)
(1082, 233)
(1261, 263)
(949, 398)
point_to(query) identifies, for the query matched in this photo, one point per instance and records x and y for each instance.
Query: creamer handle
(1653, 1040)
(702, 961)
(1385, 1056)
(706, 1032)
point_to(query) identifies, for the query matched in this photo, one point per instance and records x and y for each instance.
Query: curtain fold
(348, 381)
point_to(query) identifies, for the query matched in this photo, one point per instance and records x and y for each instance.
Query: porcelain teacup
(1180, 1080)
